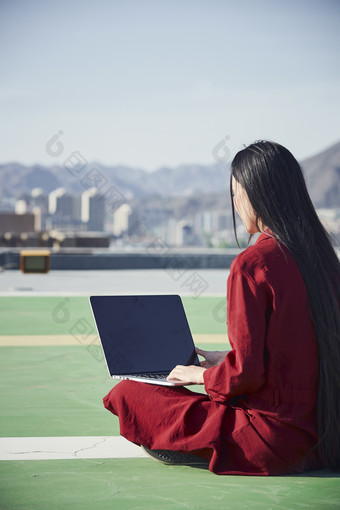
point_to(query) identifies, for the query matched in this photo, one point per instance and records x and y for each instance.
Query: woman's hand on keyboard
(191, 374)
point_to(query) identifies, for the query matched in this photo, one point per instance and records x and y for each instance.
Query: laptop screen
(143, 334)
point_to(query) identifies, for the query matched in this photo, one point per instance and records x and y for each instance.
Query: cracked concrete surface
(77, 447)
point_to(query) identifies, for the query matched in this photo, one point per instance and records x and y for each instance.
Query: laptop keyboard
(151, 376)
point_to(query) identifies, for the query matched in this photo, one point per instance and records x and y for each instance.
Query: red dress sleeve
(248, 309)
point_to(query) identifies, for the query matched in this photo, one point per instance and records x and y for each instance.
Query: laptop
(143, 337)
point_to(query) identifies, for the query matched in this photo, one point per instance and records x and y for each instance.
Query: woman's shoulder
(263, 256)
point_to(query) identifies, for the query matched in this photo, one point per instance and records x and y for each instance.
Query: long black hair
(275, 185)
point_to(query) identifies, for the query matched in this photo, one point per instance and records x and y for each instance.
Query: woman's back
(291, 345)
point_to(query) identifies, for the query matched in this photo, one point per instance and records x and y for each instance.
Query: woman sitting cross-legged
(272, 403)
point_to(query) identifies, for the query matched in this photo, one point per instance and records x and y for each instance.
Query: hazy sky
(151, 83)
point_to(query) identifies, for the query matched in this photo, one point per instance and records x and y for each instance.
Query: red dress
(258, 416)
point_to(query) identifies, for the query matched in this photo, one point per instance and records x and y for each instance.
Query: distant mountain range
(133, 183)
(322, 173)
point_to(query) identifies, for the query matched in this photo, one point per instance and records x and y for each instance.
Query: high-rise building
(93, 210)
(184, 233)
(121, 220)
(61, 203)
(39, 199)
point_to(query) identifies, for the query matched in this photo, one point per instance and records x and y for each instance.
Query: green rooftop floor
(58, 390)
(136, 484)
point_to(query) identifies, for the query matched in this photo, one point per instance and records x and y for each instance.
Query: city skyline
(145, 222)
(149, 84)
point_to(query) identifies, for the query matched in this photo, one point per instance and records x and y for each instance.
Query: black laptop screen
(143, 334)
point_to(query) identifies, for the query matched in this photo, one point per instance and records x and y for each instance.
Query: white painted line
(77, 447)
(55, 340)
